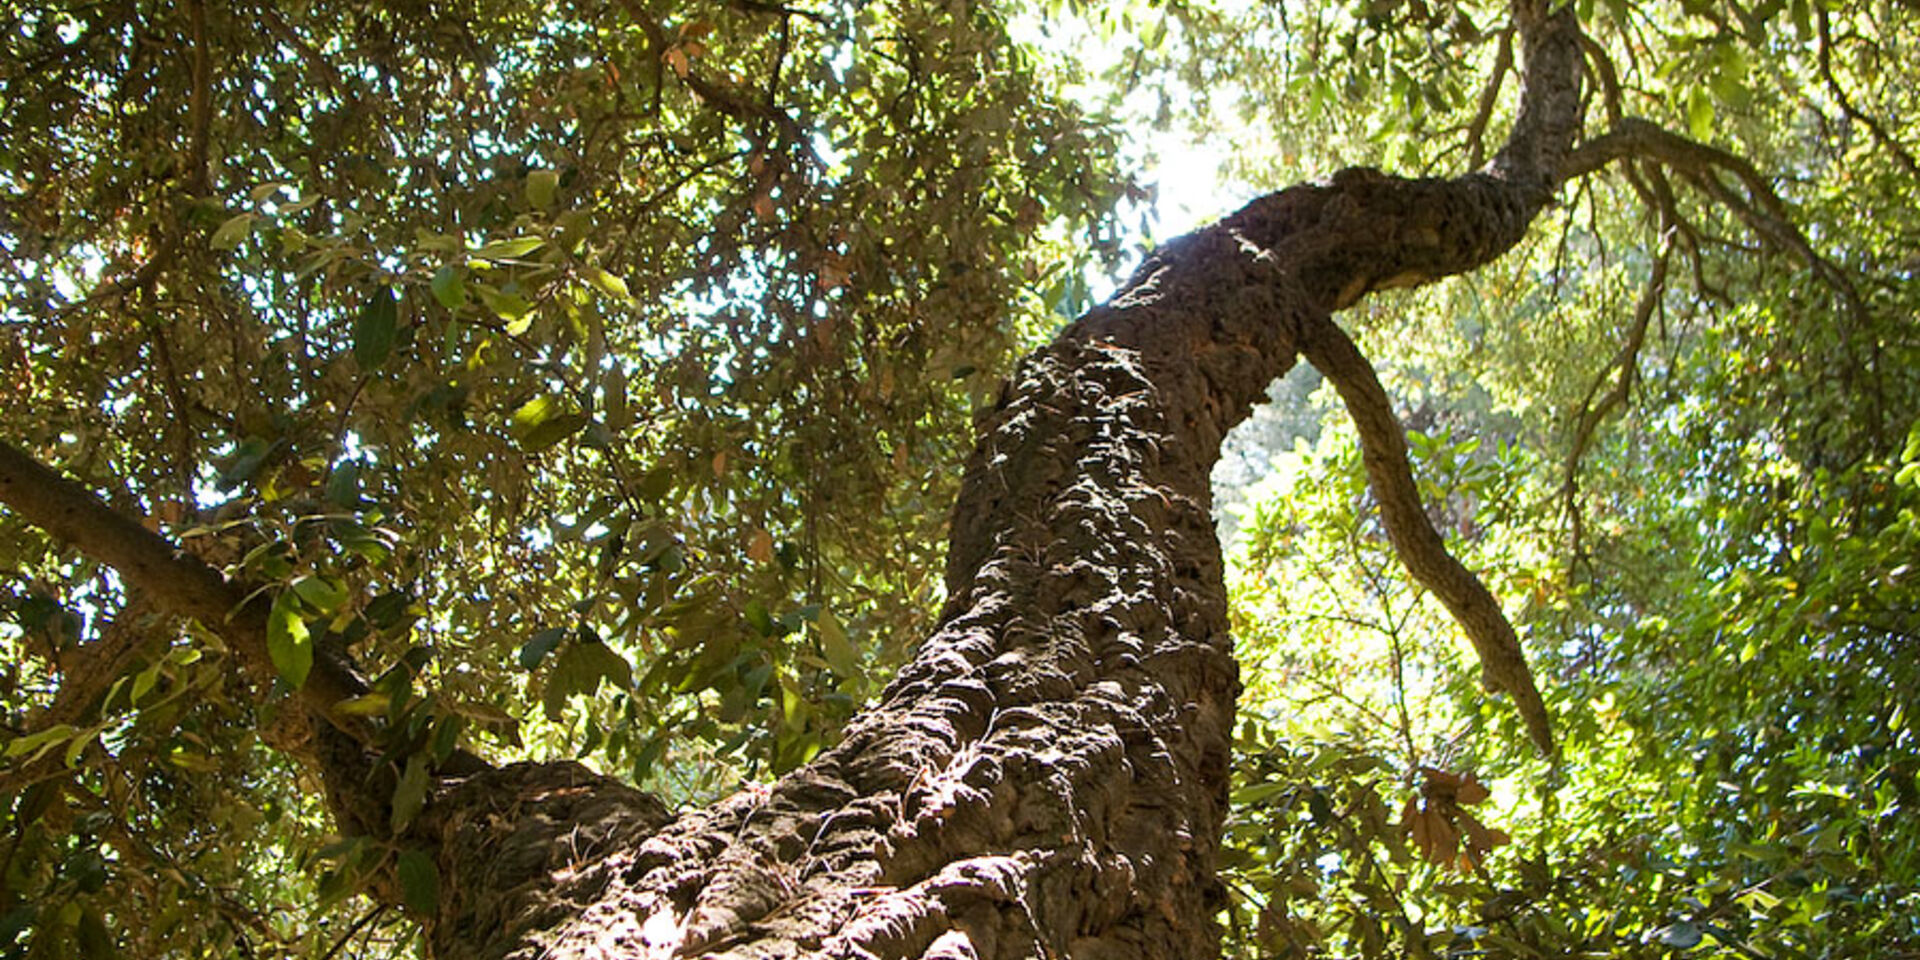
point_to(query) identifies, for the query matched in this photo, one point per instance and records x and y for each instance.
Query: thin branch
(1880, 135)
(733, 103)
(1489, 96)
(200, 106)
(781, 9)
(352, 931)
(1610, 96)
(1625, 361)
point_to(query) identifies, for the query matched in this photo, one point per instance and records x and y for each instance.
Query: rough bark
(1048, 776)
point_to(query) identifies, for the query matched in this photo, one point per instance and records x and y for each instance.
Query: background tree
(615, 360)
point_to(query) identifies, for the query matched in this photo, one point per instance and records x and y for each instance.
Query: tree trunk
(1048, 777)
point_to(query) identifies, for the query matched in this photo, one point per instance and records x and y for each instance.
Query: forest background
(600, 375)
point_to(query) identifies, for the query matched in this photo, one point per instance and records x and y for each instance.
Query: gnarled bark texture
(1048, 777)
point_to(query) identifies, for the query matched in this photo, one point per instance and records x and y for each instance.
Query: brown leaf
(1471, 791)
(1444, 839)
(1439, 783)
(834, 273)
(760, 548)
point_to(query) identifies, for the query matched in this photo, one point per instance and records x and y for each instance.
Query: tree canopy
(592, 381)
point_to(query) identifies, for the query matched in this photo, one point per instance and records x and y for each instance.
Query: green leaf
(446, 738)
(541, 185)
(508, 249)
(613, 395)
(143, 682)
(1681, 936)
(507, 306)
(419, 881)
(245, 461)
(607, 663)
(322, 594)
(95, 941)
(266, 191)
(606, 283)
(288, 642)
(374, 331)
(1700, 114)
(552, 431)
(449, 286)
(835, 647)
(343, 485)
(535, 412)
(541, 644)
(411, 792)
(79, 744)
(579, 669)
(39, 743)
(233, 232)
(370, 705)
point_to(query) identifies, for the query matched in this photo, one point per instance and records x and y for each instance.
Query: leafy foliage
(610, 357)
(1701, 526)
(594, 375)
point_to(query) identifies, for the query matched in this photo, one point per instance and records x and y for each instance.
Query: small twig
(1489, 96)
(353, 931)
(1625, 361)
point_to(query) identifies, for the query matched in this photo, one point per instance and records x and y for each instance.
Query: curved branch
(1611, 97)
(1880, 134)
(740, 106)
(1624, 361)
(1489, 96)
(1761, 209)
(174, 581)
(1757, 205)
(1383, 449)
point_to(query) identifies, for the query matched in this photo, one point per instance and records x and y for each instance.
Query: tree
(412, 289)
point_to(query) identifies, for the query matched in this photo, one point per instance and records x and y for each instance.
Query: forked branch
(1756, 203)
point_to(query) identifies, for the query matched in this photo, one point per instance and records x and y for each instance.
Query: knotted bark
(1048, 776)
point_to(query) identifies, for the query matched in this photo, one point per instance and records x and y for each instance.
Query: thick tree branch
(174, 581)
(1383, 449)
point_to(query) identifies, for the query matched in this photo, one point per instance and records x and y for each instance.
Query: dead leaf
(760, 548)
(1471, 791)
